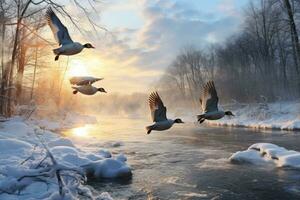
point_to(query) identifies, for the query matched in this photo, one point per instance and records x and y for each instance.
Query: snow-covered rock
(15, 128)
(262, 153)
(107, 168)
(105, 153)
(14, 147)
(22, 157)
(13, 151)
(61, 142)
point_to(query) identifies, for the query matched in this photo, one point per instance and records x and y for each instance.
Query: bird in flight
(84, 85)
(209, 103)
(62, 36)
(159, 114)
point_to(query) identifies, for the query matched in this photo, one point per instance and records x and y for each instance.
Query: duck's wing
(60, 32)
(84, 80)
(209, 98)
(75, 88)
(89, 81)
(157, 108)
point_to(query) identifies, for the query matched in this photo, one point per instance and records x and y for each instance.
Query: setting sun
(77, 68)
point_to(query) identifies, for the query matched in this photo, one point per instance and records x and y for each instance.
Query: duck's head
(102, 90)
(179, 121)
(88, 45)
(229, 113)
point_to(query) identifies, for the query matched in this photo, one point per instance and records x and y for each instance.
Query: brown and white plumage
(209, 98)
(158, 110)
(209, 103)
(159, 114)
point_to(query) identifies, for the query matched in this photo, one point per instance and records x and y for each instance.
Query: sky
(146, 35)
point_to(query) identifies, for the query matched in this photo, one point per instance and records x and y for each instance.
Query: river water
(189, 161)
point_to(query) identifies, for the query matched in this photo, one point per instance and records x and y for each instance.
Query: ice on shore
(262, 153)
(279, 115)
(24, 173)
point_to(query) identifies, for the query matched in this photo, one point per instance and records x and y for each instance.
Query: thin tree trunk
(2, 48)
(21, 67)
(34, 72)
(2, 100)
(294, 33)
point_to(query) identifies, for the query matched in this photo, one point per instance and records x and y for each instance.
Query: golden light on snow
(80, 132)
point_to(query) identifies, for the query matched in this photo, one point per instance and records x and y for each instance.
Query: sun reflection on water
(80, 131)
(125, 129)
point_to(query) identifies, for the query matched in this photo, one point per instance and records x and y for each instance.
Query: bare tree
(260, 60)
(22, 15)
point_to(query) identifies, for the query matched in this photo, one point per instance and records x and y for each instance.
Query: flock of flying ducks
(208, 100)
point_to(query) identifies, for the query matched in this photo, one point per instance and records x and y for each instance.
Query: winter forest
(261, 60)
(149, 99)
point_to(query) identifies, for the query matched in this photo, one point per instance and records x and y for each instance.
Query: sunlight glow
(80, 132)
(77, 68)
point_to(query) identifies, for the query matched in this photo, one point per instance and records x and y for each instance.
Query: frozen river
(189, 161)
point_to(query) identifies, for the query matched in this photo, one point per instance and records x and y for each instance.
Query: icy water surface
(189, 162)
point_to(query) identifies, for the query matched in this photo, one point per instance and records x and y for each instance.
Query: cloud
(172, 25)
(143, 52)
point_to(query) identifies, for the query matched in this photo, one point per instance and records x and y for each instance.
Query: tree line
(262, 60)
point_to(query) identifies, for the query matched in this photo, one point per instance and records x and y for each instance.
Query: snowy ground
(266, 153)
(33, 160)
(281, 115)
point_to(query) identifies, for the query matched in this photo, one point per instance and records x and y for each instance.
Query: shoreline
(259, 127)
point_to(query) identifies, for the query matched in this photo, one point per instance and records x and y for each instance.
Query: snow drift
(280, 115)
(267, 153)
(33, 159)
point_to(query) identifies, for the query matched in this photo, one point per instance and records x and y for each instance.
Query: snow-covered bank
(281, 115)
(266, 153)
(32, 161)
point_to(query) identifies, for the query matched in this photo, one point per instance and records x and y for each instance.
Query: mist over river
(188, 161)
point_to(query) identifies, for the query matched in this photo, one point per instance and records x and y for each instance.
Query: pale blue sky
(127, 13)
(148, 34)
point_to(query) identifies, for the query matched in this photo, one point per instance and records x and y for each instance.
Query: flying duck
(61, 35)
(209, 103)
(87, 89)
(159, 114)
(84, 80)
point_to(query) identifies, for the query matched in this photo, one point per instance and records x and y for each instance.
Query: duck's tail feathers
(56, 51)
(149, 129)
(201, 118)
